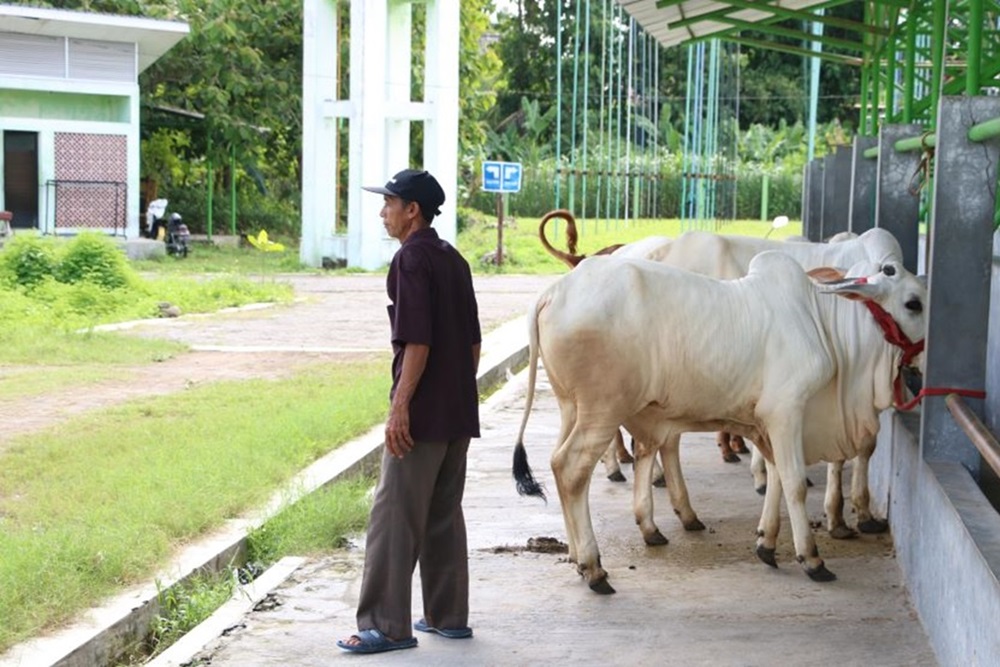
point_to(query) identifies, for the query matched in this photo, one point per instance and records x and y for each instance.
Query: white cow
(787, 348)
(727, 257)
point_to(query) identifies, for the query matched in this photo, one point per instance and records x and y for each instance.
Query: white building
(69, 116)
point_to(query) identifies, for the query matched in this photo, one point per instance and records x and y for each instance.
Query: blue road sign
(501, 176)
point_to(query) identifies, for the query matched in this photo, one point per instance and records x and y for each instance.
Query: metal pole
(558, 99)
(910, 66)
(211, 189)
(586, 115)
(232, 189)
(814, 65)
(974, 67)
(572, 130)
(937, 55)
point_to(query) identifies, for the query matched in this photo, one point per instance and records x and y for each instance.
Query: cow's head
(899, 294)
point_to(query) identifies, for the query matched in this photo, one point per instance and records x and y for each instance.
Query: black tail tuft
(527, 485)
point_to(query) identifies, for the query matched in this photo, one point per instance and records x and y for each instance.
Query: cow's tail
(571, 259)
(527, 485)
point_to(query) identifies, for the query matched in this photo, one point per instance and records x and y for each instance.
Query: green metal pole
(558, 99)
(232, 190)
(910, 66)
(814, 65)
(890, 68)
(764, 194)
(211, 190)
(937, 56)
(586, 116)
(974, 68)
(572, 126)
(876, 71)
(867, 70)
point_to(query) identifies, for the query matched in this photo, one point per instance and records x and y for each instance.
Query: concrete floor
(703, 599)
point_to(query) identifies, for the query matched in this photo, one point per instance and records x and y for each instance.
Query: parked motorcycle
(174, 233)
(177, 236)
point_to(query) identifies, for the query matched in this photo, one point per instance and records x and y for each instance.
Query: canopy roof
(154, 37)
(674, 22)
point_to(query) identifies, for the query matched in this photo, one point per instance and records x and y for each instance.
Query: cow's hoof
(601, 586)
(873, 526)
(820, 574)
(843, 533)
(660, 482)
(809, 482)
(625, 458)
(655, 539)
(741, 448)
(766, 555)
(693, 525)
(761, 490)
(729, 457)
(617, 477)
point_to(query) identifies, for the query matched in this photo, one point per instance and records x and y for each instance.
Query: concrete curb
(108, 631)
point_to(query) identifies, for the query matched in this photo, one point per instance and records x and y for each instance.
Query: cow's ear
(826, 274)
(856, 289)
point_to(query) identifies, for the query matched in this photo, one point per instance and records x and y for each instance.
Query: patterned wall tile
(91, 180)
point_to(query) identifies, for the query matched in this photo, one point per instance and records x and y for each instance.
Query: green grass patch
(241, 260)
(315, 525)
(100, 502)
(26, 381)
(525, 253)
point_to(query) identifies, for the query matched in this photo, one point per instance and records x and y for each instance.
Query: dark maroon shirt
(433, 303)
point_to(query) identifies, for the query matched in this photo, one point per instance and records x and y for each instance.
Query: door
(20, 177)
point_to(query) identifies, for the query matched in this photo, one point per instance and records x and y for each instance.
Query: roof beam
(740, 25)
(788, 48)
(780, 13)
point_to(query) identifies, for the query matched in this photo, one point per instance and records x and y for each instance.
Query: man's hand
(397, 432)
(397, 426)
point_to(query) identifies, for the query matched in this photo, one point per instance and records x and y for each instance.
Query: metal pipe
(974, 428)
(975, 59)
(909, 67)
(937, 55)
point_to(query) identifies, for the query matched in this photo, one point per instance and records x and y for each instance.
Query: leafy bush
(27, 260)
(95, 259)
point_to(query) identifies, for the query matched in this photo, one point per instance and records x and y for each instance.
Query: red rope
(931, 391)
(895, 336)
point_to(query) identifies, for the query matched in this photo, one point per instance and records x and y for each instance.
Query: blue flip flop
(373, 641)
(450, 633)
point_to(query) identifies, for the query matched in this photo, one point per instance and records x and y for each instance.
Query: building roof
(154, 37)
(674, 22)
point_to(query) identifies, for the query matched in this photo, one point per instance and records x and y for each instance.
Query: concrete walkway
(704, 599)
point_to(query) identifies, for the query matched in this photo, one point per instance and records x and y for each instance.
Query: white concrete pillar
(319, 128)
(441, 101)
(380, 111)
(368, 140)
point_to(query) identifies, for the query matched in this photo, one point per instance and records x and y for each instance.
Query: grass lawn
(96, 504)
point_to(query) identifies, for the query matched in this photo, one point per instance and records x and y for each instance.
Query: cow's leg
(738, 444)
(789, 460)
(624, 456)
(770, 517)
(724, 440)
(759, 471)
(659, 480)
(642, 496)
(859, 494)
(676, 487)
(573, 464)
(612, 456)
(833, 502)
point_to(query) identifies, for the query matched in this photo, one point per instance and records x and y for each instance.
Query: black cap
(414, 185)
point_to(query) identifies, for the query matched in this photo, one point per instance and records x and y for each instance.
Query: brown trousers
(417, 517)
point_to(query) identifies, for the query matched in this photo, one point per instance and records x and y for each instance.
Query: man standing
(433, 414)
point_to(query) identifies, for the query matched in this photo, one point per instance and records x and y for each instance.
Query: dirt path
(335, 318)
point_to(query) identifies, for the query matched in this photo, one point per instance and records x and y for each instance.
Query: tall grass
(100, 502)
